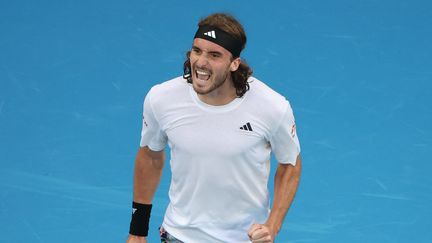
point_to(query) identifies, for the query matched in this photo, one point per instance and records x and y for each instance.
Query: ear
(235, 64)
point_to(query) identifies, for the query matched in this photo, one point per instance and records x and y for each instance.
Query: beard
(214, 82)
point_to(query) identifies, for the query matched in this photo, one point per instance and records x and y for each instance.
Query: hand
(136, 239)
(261, 233)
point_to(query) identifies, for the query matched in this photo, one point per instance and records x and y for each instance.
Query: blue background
(73, 75)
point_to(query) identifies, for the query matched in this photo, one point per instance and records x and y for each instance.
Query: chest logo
(246, 127)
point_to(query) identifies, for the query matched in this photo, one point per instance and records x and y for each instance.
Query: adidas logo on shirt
(211, 34)
(246, 127)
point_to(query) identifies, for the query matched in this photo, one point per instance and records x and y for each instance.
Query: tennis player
(221, 125)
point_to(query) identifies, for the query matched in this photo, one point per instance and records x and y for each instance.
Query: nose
(201, 61)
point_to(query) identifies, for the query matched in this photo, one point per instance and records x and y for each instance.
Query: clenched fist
(261, 233)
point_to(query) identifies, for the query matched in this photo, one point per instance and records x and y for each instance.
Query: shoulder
(170, 86)
(261, 95)
(169, 90)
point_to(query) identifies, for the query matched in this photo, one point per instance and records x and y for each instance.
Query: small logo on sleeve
(293, 131)
(144, 122)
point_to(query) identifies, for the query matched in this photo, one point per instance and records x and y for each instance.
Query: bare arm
(148, 171)
(286, 182)
(147, 174)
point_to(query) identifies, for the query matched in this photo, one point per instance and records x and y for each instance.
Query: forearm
(147, 174)
(286, 182)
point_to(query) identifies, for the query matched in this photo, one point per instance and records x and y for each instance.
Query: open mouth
(202, 75)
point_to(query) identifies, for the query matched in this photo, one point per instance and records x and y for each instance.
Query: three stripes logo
(211, 34)
(246, 127)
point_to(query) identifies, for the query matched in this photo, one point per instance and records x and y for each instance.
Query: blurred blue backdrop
(73, 75)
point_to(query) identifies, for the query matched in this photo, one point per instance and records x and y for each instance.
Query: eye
(215, 55)
(196, 50)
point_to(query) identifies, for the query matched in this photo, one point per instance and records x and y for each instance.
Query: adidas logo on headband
(224, 39)
(211, 34)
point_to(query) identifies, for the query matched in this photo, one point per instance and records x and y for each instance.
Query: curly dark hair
(229, 24)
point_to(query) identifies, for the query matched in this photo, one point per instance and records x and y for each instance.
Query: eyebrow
(210, 52)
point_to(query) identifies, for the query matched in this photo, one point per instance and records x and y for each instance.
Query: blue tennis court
(73, 76)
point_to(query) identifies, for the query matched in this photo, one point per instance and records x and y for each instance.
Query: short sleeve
(151, 133)
(284, 141)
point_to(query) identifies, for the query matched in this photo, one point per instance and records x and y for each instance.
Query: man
(221, 125)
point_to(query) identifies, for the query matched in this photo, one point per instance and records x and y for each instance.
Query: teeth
(202, 73)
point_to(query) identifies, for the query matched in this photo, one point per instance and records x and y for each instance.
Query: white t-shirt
(220, 157)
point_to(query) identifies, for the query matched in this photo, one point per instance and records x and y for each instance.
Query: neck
(221, 96)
